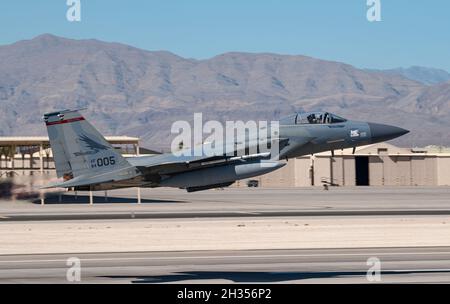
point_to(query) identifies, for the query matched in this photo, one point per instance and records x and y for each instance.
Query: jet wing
(167, 164)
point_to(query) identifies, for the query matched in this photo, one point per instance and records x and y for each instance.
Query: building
(375, 165)
(32, 153)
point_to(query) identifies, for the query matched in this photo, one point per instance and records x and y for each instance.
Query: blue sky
(412, 32)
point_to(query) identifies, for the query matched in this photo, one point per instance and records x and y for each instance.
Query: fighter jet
(86, 161)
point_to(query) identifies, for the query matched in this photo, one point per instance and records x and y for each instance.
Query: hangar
(380, 164)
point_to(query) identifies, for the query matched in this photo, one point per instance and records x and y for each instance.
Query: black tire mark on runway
(240, 214)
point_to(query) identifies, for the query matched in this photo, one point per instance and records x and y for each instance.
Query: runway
(234, 202)
(230, 236)
(398, 265)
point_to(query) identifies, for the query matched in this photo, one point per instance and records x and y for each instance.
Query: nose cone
(385, 132)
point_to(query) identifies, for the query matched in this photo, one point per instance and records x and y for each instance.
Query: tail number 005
(103, 162)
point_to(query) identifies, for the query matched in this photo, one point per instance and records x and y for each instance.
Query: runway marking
(231, 256)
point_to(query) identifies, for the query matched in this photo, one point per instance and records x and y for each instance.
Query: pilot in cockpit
(312, 119)
(326, 118)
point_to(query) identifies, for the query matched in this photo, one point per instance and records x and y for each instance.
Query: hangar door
(362, 170)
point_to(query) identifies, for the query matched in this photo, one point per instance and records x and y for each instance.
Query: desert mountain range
(130, 91)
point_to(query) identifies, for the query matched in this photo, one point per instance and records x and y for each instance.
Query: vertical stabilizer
(78, 148)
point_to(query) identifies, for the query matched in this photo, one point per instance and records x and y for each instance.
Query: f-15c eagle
(86, 161)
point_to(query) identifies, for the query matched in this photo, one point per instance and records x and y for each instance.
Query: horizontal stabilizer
(109, 177)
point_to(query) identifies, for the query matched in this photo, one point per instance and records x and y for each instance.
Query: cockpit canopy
(312, 118)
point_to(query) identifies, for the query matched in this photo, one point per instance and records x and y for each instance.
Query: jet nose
(381, 132)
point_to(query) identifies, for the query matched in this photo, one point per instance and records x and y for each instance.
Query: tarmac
(234, 235)
(398, 265)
